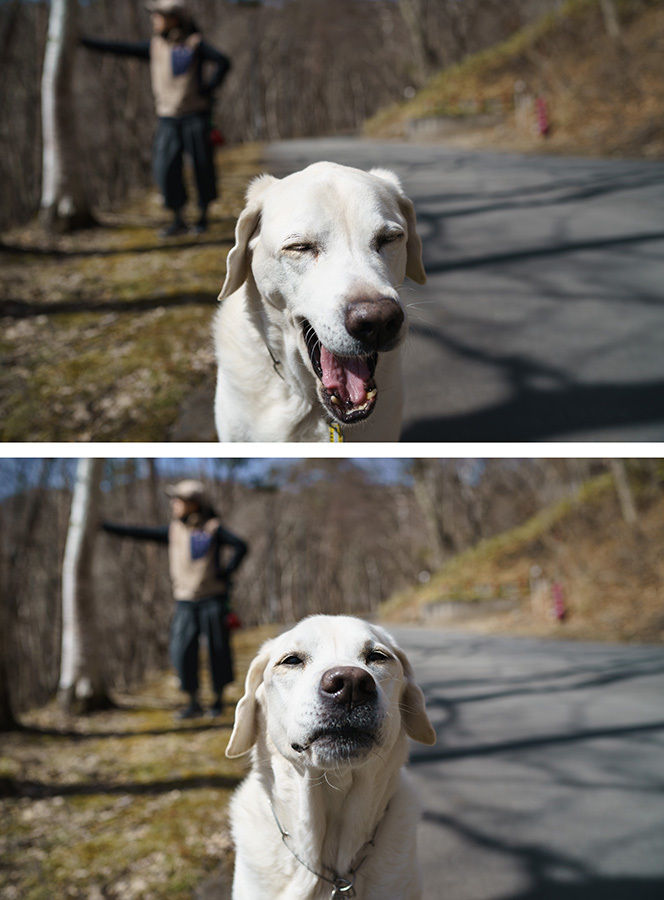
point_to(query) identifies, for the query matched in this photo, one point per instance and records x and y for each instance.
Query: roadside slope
(604, 93)
(609, 576)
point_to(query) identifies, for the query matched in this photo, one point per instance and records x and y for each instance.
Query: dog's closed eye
(301, 248)
(390, 236)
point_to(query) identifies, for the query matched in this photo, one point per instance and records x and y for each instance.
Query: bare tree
(610, 16)
(63, 201)
(624, 492)
(82, 687)
(429, 484)
(14, 566)
(7, 720)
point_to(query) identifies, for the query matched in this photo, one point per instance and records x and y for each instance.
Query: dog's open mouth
(348, 390)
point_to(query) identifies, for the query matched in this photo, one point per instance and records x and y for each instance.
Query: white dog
(327, 809)
(307, 335)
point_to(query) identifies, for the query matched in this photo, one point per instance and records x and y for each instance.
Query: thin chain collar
(341, 886)
(334, 429)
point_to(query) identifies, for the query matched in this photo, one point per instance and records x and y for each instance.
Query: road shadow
(72, 735)
(559, 248)
(595, 888)
(553, 779)
(535, 743)
(550, 874)
(535, 414)
(41, 790)
(447, 702)
(24, 309)
(165, 245)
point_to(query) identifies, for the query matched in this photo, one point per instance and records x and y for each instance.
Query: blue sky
(18, 474)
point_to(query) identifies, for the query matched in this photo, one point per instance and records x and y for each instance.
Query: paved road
(543, 318)
(547, 782)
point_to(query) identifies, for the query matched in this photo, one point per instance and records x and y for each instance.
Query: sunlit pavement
(543, 317)
(547, 780)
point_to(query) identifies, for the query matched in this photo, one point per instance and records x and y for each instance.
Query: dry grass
(128, 804)
(106, 331)
(612, 576)
(604, 96)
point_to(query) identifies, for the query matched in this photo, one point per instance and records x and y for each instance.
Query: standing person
(201, 582)
(176, 53)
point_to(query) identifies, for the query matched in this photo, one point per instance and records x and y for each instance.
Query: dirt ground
(126, 804)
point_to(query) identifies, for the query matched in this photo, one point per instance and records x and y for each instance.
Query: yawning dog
(308, 332)
(327, 809)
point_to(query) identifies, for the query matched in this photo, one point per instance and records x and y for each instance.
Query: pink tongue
(345, 377)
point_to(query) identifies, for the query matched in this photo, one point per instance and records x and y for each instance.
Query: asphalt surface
(543, 316)
(547, 781)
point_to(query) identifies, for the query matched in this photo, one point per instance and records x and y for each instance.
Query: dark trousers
(174, 137)
(192, 619)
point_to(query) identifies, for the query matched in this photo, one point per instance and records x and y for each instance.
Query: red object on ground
(558, 596)
(233, 621)
(543, 124)
(216, 138)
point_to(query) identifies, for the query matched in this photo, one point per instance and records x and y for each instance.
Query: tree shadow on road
(552, 875)
(535, 413)
(582, 753)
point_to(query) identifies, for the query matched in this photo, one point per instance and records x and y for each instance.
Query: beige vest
(194, 578)
(175, 95)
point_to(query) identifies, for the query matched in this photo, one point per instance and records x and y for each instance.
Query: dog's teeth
(334, 399)
(372, 394)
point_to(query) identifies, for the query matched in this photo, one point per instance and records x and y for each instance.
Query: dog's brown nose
(374, 322)
(348, 686)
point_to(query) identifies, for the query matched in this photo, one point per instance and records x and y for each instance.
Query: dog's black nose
(375, 322)
(348, 686)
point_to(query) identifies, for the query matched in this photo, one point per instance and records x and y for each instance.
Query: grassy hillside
(604, 94)
(611, 576)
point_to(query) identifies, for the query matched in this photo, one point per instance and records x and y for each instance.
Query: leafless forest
(299, 67)
(329, 536)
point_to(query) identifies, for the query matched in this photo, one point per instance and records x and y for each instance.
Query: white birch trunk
(63, 201)
(81, 685)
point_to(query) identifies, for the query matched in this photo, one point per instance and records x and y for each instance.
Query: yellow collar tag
(336, 434)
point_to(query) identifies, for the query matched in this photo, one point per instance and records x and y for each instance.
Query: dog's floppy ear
(414, 264)
(243, 736)
(413, 710)
(237, 262)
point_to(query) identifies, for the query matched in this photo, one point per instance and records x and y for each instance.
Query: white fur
(270, 289)
(330, 806)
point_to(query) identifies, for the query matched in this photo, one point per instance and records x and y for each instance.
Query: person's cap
(166, 7)
(189, 489)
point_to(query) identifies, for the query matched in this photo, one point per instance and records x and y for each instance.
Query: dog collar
(341, 886)
(275, 362)
(336, 434)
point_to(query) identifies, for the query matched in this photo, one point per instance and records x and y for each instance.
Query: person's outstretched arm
(138, 532)
(137, 49)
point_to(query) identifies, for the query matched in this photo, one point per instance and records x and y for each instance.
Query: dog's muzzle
(347, 388)
(349, 715)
